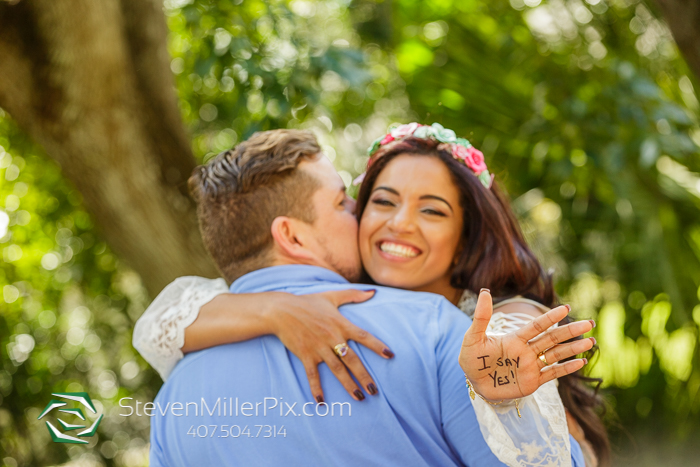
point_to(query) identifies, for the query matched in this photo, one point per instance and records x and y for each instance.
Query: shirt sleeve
(159, 333)
(539, 438)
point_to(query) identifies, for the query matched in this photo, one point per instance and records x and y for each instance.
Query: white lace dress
(539, 438)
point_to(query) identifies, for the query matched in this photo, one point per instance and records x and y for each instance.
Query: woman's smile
(395, 250)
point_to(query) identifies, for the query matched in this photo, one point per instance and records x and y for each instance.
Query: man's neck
(283, 260)
(280, 260)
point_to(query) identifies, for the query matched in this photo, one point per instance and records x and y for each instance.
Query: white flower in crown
(404, 130)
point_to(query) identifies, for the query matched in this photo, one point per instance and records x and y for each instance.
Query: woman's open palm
(509, 366)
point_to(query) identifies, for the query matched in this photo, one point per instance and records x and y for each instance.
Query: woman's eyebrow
(438, 199)
(386, 188)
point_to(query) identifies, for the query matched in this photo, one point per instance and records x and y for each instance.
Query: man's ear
(290, 238)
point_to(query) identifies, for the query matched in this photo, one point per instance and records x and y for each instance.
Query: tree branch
(83, 91)
(146, 36)
(683, 18)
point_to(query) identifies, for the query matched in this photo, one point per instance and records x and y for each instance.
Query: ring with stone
(341, 349)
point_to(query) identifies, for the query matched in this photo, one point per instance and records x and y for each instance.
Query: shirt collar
(277, 277)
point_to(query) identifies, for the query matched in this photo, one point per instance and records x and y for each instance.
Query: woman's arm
(159, 333)
(196, 313)
(229, 318)
(542, 431)
(308, 325)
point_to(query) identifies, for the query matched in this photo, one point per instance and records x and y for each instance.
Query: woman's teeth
(398, 250)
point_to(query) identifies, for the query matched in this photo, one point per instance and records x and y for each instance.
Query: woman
(431, 219)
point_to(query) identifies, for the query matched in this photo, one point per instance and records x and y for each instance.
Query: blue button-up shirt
(249, 403)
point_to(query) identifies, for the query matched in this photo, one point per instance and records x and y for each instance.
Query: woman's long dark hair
(495, 255)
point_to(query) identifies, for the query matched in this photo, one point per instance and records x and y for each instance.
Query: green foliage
(257, 65)
(68, 309)
(584, 111)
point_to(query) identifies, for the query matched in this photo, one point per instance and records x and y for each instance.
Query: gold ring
(542, 357)
(341, 349)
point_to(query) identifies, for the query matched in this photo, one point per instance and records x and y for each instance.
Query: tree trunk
(683, 18)
(90, 81)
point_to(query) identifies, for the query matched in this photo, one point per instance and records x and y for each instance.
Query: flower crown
(462, 149)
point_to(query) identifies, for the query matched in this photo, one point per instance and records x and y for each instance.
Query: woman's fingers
(336, 324)
(352, 332)
(482, 316)
(363, 337)
(564, 351)
(358, 370)
(311, 368)
(560, 334)
(539, 325)
(342, 297)
(558, 370)
(338, 368)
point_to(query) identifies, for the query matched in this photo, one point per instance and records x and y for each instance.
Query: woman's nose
(402, 221)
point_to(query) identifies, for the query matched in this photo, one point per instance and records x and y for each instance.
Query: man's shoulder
(406, 302)
(414, 299)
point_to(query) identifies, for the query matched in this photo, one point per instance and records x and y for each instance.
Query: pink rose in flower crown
(404, 130)
(387, 139)
(475, 160)
(460, 152)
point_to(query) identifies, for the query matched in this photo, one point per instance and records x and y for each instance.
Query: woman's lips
(397, 251)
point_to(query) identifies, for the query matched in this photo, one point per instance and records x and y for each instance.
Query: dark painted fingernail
(319, 399)
(484, 290)
(372, 388)
(592, 322)
(388, 353)
(359, 395)
(568, 307)
(594, 341)
(585, 361)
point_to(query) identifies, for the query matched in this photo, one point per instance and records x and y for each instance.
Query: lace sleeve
(541, 436)
(159, 333)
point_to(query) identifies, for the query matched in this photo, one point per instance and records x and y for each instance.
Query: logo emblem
(56, 434)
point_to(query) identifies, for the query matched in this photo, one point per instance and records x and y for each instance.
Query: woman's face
(411, 228)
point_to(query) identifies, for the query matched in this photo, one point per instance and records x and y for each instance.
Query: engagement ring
(341, 349)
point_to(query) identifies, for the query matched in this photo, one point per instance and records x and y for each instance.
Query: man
(274, 216)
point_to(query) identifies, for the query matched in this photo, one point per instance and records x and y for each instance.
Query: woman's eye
(382, 202)
(433, 212)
